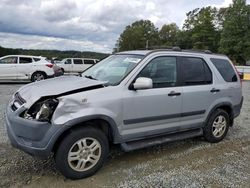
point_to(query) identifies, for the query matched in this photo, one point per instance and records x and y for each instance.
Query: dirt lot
(189, 163)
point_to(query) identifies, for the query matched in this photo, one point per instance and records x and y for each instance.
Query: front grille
(18, 102)
(19, 99)
(13, 107)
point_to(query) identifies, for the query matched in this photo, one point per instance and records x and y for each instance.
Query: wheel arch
(37, 71)
(227, 106)
(104, 123)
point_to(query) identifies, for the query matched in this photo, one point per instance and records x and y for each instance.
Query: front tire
(217, 126)
(82, 153)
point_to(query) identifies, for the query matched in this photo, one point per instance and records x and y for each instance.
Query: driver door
(68, 66)
(153, 111)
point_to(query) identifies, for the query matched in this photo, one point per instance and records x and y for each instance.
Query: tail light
(238, 74)
(49, 65)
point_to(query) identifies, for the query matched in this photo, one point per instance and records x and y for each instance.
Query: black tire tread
(208, 134)
(32, 76)
(61, 152)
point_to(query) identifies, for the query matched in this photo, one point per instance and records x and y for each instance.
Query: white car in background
(76, 65)
(23, 67)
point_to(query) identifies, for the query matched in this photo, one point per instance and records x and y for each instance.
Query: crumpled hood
(56, 86)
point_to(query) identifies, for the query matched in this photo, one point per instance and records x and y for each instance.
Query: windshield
(113, 69)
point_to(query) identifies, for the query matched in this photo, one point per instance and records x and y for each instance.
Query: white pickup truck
(76, 65)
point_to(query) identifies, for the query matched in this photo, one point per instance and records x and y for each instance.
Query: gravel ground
(189, 163)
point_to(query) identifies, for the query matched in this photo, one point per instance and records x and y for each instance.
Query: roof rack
(198, 51)
(178, 49)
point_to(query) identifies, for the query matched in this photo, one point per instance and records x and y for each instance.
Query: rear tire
(38, 76)
(217, 126)
(82, 153)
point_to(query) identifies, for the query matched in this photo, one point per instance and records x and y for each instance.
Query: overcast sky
(84, 25)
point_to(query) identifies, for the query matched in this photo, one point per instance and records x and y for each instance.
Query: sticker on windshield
(132, 60)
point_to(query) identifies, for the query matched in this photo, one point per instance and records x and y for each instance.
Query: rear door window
(225, 69)
(25, 60)
(194, 71)
(77, 61)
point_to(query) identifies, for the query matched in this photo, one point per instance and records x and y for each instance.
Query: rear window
(24, 60)
(89, 61)
(195, 71)
(77, 61)
(225, 69)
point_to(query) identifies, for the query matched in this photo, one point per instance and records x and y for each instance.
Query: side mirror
(143, 83)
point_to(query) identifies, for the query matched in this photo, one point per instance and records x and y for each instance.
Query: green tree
(235, 37)
(201, 29)
(138, 35)
(184, 40)
(168, 34)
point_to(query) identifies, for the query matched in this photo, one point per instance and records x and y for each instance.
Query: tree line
(224, 30)
(52, 53)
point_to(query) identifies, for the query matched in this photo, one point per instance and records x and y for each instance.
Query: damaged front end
(46, 102)
(42, 110)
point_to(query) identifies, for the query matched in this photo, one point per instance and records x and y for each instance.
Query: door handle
(214, 90)
(173, 93)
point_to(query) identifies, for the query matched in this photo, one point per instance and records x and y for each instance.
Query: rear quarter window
(36, 59)
(225, 69)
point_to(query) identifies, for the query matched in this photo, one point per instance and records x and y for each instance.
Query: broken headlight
(42, 110)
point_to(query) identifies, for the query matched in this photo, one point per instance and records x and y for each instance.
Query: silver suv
(135, 99)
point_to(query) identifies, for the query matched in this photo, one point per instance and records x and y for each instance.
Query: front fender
(71, 111)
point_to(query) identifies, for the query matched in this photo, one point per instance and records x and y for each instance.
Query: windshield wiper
(90, 77)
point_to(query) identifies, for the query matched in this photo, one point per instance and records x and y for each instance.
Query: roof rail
(208, 52)
(198, 51)
(176, 48)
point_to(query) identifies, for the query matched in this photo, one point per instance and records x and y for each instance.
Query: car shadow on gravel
(18, 168)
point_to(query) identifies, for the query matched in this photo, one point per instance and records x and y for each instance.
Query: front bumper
(33, 137)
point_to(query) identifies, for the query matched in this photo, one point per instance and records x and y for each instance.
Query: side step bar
(139, 144)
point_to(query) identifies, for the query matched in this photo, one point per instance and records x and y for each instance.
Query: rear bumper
(58, 73)
(51, 76)
(237, 108)
(33, 137)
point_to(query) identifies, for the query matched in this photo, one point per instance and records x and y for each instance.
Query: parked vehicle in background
(135, 99)
(57, 69)
(76, 65)
(244, 72)
(23, 67)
